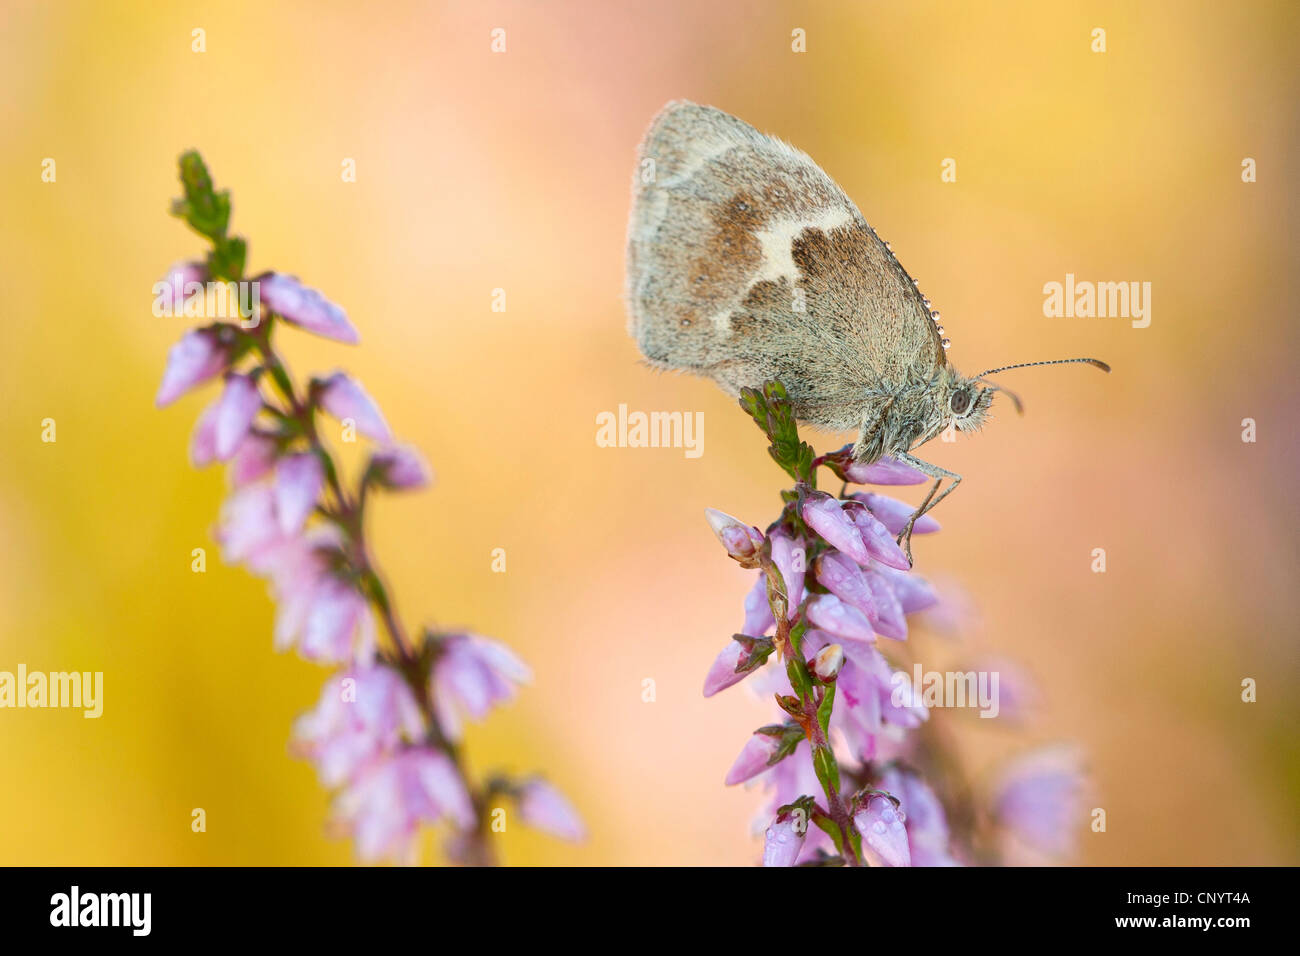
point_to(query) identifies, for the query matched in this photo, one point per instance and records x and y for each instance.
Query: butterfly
(746, 263)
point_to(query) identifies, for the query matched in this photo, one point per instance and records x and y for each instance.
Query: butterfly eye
(959, 402)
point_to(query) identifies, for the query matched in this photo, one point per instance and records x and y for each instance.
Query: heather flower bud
(843, 578)
(344, 398)
(828, 661)
(886, 471)
(880, 544)
(894, 514)
(827, 517)
(742, 541)
(200, 355)
(883, 832)
(789, 557)
(544, 808)
(305, 307)
(754, 758)
(783, 841)
(298, 482)
(829, 613)
(471, 675)
(399, 467)
(239, 404)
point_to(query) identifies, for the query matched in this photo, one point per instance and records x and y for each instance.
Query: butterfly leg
(938, 474)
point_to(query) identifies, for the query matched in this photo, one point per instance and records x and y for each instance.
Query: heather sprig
(386, 733)
(856, 752)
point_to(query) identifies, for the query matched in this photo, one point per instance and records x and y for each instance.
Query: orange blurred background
(479, 171)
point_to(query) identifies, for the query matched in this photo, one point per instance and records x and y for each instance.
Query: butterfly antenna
(1089, 361)
(1015, 399)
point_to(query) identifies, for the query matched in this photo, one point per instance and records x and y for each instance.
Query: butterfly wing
(746, 262)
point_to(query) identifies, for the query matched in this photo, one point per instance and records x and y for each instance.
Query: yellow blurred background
(479, 171)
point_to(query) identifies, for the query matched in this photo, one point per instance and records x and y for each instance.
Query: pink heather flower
(337, 626)
(827, 517)
(880, 544)
(894, 514)
(845, 621)
(195, 359)
(1040, 800)
(239, 404)
(886, 471)
(299, 479)
(181, 280)
(473, 674)
(254, 459)
(399, 467)
(247, 523)
(741, 540)
(297, 566)
(753, 758)
(305, 307)
(544, 808)
(391, 796)
(783, 841)
(362, 712)
(723, 672)
(758, 613)
(788, 556)
(203, 442)
(345, 399)
(883, 833)
(890, 619)
(912, 592)
(841, 576)
(926, 822)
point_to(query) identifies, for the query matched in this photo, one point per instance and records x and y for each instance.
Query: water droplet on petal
(939, 329)
(946, 343)
(935, 316)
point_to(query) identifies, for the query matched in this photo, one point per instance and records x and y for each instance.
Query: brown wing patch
(856, 286)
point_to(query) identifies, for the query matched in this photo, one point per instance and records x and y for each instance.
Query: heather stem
(809, 719)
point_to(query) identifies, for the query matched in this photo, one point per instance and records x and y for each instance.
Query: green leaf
(824, 708)
(757, 651)
(800, 680)
(226, 260)
(791, 735)
(831, 829)
(207, 211)
(828, 771)
(791, 705)
(772, 412)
